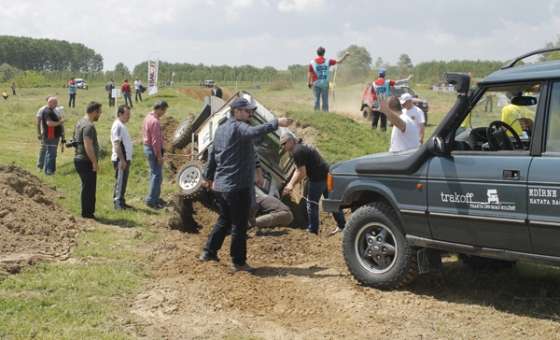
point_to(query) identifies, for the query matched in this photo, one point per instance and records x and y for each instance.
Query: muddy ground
(32, 226)
(302, 290)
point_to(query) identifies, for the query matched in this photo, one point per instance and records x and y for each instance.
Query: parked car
(368, 102)
(198, 133)
(207, 83)
(485, 185)
(81, 84)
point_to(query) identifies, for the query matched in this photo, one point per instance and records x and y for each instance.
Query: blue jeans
(321, 93)
(41, 159)
(155, 176)
(314, 192)
(121, 180)
(51, 148)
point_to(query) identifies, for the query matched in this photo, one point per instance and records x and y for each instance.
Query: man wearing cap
(382, 89)
(318, 77)
(413, 112)
(230, 172)
(310, 163)
(405, 134)
(153, 149)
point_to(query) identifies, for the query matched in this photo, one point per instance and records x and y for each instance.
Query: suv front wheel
(375, 249)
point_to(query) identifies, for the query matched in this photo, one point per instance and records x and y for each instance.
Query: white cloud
(299, 5)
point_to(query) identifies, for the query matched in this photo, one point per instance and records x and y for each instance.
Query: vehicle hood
(349, 167)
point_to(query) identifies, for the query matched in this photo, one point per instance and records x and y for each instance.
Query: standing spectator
(125, 89)
(87, 154)
(153, 149)
(121, 155)
(13, 88)
(52, 130)
(318, 77)
(138, 89)
(383, 89)
(217, 92)
(40, 134)
(231, 174)
(405, 134)
(72, 93)
(414, 112)
(109, 87)
(309, 163)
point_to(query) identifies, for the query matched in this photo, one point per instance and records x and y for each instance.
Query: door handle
(511, 174)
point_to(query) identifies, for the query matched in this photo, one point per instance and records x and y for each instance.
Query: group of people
(50, 131)
(126, 92)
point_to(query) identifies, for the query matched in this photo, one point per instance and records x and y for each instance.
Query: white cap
(405, 97)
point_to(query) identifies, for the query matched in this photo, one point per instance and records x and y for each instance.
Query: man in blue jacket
(231, 174)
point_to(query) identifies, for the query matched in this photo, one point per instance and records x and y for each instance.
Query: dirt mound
(199, 93)
(32, 225)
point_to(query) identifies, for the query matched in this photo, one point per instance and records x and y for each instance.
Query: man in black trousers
(87, 154)
(231, 174)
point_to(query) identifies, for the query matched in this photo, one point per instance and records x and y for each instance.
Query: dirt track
(302, 290)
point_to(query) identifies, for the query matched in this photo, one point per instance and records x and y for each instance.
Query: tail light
(330, 182)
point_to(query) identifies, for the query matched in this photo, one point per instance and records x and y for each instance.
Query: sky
(279, 33)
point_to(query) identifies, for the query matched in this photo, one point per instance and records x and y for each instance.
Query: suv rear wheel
(376, 251)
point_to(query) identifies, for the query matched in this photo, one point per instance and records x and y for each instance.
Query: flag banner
(152, 77)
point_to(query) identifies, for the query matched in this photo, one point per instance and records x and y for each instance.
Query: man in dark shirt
(310, 163)
(52, 128)
(87, 154)
(231, 174)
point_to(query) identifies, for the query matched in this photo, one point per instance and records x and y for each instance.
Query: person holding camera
(86, 156)
(51, 131)
(318, 77)
(121, 155)
(230, 173)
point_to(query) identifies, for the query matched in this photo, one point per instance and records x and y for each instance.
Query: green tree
(405, 65)
(121, 71)
(357, 66)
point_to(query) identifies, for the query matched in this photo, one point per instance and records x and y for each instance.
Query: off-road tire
(191, 183)
(183, 134)
(367, 113)
(401, 271)
(478, 263)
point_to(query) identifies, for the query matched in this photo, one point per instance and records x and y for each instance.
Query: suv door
(477, 195)
(544, 184)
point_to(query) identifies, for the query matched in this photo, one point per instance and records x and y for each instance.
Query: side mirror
(438, 147)
(524, 101)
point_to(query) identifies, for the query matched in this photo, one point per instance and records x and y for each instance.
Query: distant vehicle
(368, 103)
(207, 83)
(81, 84)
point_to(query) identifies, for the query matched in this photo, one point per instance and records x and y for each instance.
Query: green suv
(486, 185)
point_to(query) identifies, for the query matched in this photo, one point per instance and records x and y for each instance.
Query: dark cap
(242, 103)
(161, 104)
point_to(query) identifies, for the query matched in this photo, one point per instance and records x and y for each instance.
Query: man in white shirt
(138, 90)
(121, 155)
(414, 112)
(405, 134)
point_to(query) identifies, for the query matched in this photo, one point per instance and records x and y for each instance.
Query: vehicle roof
(527, 72)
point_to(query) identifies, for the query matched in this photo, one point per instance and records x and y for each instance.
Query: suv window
(500, 116)
(553, 130)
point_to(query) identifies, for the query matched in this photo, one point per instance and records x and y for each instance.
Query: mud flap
(429, 260)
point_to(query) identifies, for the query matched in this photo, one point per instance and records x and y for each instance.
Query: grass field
(87, 297)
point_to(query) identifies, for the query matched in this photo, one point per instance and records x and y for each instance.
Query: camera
(71, 143)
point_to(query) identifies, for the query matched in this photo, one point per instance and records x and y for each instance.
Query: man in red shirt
(125, 89)
(318, 77)
(382, 89)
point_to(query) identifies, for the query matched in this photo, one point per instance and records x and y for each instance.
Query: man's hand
(123, 165)
(94, 167)
(285, 122)
(160, 161)
(287, 190)
(208, 184)
(39, 136)
(310, 85)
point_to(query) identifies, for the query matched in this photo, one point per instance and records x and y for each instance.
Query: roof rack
(512, 63)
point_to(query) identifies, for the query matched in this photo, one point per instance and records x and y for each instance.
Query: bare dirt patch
(199, 93)
(32, 226)
(302, 290)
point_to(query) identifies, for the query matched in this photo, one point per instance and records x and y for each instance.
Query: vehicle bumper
(331, 205)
